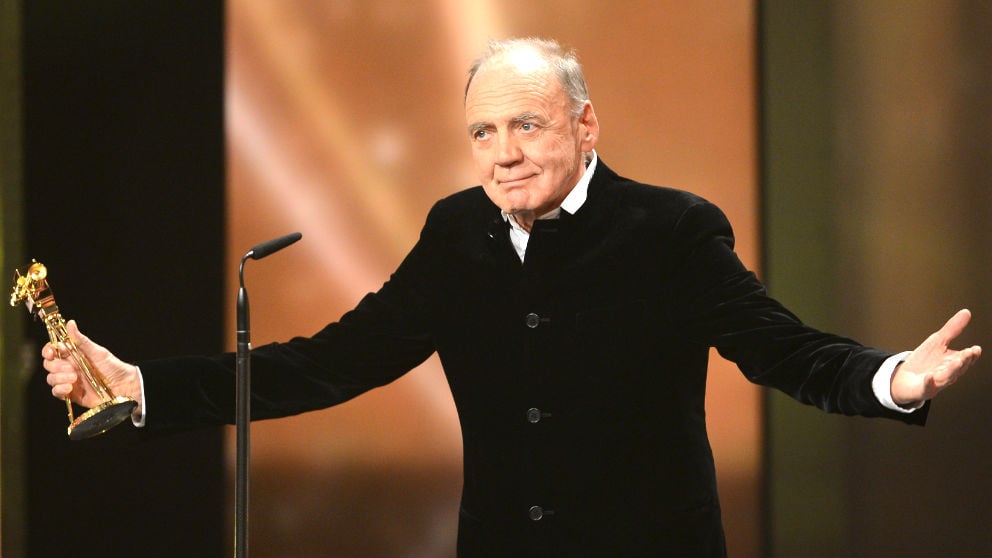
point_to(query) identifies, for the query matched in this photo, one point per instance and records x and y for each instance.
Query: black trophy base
(101, 418)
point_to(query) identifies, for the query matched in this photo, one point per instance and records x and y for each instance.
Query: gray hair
(564, 64)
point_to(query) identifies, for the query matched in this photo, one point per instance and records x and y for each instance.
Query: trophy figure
(32, 288)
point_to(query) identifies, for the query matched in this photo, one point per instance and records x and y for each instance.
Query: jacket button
(534, 415)
(536, 513)
(532, 320)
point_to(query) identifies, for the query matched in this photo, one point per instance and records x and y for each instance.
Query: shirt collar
(577, 197)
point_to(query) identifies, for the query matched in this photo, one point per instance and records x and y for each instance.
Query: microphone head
(269, 247)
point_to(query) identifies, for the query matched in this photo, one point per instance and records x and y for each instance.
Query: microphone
(270, 247)
(243, 392)
(266, 248)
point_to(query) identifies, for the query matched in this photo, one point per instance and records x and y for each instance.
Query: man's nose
(509, 152)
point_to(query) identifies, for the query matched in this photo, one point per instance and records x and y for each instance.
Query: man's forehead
(510, 108)
(502, 74)
(508, 92)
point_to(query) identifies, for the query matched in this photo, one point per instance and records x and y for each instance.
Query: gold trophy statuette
(32, 288)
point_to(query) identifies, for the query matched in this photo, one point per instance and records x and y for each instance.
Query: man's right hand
(66, 378)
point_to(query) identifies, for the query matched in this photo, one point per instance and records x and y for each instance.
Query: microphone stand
(242, 418)
(243, 392)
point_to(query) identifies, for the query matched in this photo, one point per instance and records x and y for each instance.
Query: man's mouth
(515, 181)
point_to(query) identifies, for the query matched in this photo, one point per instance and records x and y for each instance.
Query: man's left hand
(933, 365)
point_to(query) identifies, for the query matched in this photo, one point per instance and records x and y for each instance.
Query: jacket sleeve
(383, 337)
(727, 307)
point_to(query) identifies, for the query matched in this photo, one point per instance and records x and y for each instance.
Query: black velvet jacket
(579, 375)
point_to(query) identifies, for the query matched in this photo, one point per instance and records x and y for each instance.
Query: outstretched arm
(933, 365)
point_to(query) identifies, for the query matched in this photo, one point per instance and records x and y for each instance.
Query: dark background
(123, 120)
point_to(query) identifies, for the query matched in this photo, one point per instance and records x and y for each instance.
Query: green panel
(13, 528)
(805, 448)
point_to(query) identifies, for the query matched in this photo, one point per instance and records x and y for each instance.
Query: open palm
(934, 365)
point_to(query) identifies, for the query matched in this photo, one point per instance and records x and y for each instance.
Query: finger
(968, 357)
(53, 351)
(957, 364)
(62, 378)
(50, 366)
(972, 353)
(56, 379)
(59, 366)
(955, 326)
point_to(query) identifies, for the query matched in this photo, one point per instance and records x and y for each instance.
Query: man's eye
(528, 126)
(480, 134)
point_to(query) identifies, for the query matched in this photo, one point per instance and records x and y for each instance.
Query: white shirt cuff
(881, 384)
(138, 418)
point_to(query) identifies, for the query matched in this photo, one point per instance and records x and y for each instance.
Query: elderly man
(573, 311)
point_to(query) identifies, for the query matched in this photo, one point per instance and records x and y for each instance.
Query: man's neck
(526, 218)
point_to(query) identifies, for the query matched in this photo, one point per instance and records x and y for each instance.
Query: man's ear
(588, 127)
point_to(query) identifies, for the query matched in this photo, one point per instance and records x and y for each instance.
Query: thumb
(72, 328)
(83, 343)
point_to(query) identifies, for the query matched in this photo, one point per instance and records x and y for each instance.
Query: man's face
(527, 146)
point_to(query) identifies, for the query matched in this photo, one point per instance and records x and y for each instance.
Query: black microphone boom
(271, 246)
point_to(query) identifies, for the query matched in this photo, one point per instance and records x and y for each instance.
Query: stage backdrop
(345, 122)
